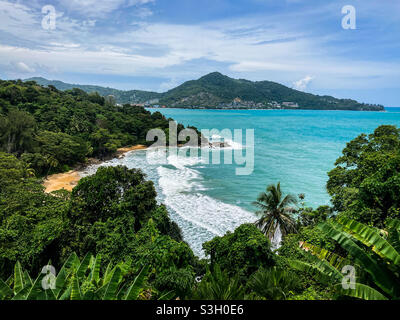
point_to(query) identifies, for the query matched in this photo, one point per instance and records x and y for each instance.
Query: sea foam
(180, 187)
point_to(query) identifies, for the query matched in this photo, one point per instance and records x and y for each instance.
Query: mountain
(132, 96)
(219, 91)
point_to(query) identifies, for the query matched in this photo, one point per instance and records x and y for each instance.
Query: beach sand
(60, 181)
(70, 179)
(123, 151)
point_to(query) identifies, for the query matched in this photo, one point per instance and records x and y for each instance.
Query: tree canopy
(365, 184)
(53, 130)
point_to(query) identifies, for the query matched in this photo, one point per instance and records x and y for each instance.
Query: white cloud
(302, 84)
(23, 67)
(248, 47)
(99, 8)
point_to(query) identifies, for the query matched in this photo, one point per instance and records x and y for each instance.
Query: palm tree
(52, 163)
(29, 171)
(275, 212)
(273, 283)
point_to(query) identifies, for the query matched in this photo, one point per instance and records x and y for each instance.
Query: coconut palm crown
(275, 211)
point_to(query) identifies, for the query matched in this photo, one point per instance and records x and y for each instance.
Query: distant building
(290, 104)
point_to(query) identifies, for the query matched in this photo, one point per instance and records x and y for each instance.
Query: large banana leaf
(108, 273)
(60, 283)
(111, 287)
(167, 296)
(66, 295)
(95, 273)
(18, 278)
(75, 290)
(137, 285)
(37, 292)
(71, 265)
(29, 291)
(371, 238)
(83, 267)
(381, 275)
(362, 292)
(5, 290)
(333, 259)
(27, 279)
(320, 269)
(394, 238)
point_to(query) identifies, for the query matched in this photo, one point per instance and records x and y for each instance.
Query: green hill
(122, 97)
(218, 91)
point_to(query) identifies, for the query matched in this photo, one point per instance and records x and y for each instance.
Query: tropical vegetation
(110, 239)
(54, 130)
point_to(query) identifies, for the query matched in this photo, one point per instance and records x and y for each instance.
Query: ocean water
(296, 148)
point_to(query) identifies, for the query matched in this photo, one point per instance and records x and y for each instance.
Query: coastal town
(235, 104)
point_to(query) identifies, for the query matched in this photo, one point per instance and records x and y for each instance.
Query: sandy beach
(69, 180)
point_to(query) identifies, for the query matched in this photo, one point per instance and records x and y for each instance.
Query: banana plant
(77, 280)
(374, 252)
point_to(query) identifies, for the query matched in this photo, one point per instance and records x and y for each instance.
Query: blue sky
(158, 44)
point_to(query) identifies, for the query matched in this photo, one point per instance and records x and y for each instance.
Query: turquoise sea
(296, 148)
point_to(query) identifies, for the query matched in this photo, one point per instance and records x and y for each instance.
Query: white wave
(232, 144)
(208, 216)
(181, 162)
(179, 186)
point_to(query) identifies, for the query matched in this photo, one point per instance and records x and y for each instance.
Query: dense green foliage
(241, 252)
(131, 96)
(30, 220)
(77, 280)
(274, 284)
(113, 213)
(218, 285)
(365, 185)
(53, 130)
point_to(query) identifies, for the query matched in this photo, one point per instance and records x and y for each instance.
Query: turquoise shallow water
(296, 148)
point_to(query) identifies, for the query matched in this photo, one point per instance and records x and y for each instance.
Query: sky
(159, 44)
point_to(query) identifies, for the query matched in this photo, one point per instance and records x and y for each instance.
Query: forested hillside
(218, 91)
(121, 96)
(52, 130)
